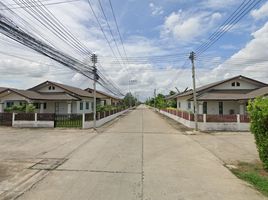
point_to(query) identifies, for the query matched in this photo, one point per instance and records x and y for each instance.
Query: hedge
(258, 110)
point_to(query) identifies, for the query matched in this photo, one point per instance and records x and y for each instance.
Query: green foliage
(130, 100)
(161, 102)
(101, 108)
(16, 108)
(30, 108)
(258, 110)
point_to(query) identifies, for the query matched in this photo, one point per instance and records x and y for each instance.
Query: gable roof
(70, 89)
(33, 95)
(211, 85)
(256, 93)
(2, 89)
(90, 90)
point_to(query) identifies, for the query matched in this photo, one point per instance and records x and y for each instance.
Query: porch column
(1, 107)
(69, 107)
(41, 107)
(200, 107)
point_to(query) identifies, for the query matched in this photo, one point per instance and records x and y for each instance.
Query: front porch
(222, 107)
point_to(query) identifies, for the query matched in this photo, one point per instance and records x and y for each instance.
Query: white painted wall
(46, 89)
(243, 85)
(103, 120)
(210, 126)
(184, 104)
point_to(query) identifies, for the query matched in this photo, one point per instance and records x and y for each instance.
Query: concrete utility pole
(192, 58)
(94, 60)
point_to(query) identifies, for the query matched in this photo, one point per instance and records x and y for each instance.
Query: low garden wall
(210, 122)
(50, 120)
(101, 119)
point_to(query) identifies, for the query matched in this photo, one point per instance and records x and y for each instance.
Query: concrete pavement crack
(96, 171)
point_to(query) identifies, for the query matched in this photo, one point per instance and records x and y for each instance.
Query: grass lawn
(254, 174)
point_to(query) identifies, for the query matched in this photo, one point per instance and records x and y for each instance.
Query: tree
(258, 110)
(172, 102)
(129, 100)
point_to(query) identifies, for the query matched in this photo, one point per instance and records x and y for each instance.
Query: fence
(68, 121)
(5, 119)
(210, 122)
(51, 120)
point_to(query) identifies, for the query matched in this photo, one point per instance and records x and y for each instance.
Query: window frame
(220, 108)
(81, 105)
(205, 107)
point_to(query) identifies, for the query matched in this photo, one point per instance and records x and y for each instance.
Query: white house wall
(46, 89)
(243, 85)
(184, 104)
(50, 107)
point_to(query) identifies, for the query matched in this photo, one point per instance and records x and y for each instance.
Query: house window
(205, 107)
(10, 104)
(45, 105)
(233, 84)
(81, 105)
(237, 84)
(51, 88)
(37, 105)
(179, 104)
(87, 105)
(220, 108)
(189, 104)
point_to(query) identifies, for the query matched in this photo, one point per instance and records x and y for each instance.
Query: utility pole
(192, 58)
(94, 60)
(155, 99)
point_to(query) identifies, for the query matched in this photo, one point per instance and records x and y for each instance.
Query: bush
(16, 108)
(30, 108)
(258, 110)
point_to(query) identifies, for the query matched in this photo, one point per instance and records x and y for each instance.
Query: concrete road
(230, 147)
(140, 157)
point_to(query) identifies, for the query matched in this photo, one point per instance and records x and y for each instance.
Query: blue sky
(149, 28)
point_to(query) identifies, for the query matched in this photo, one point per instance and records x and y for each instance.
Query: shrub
(30, 108)
(258, 110)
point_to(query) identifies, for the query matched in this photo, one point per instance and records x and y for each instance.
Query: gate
(68, 121)
(5, 119)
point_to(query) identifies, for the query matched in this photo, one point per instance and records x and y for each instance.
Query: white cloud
(249, 61)
(260, 13)
(156, 10)
(218, 4)
(186, 26)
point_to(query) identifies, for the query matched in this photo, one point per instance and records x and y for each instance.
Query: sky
(157, 37)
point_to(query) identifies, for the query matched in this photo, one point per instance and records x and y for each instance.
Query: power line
(16, 6)
(234, 19)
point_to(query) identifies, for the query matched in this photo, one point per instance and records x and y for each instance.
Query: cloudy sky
(157, 36)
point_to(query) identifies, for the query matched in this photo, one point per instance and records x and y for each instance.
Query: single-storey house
(49, 97)
(225, 97)
(104, 98)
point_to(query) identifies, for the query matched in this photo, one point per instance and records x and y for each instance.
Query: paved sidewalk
(141, 157)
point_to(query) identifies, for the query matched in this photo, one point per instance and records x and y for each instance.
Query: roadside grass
(254, 174)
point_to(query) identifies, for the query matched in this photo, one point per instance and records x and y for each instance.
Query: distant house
(104, 98)
(225, 97)
(52, 97)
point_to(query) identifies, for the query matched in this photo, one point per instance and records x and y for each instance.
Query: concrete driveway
(141, 156)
